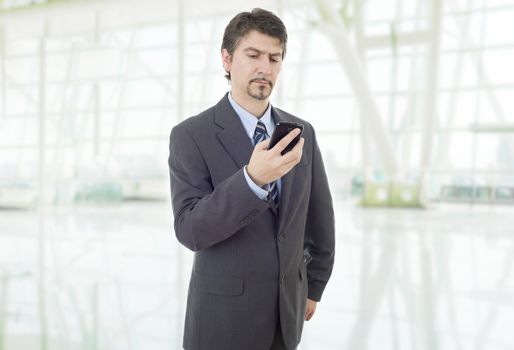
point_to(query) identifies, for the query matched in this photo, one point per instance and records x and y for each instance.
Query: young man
(261, 223)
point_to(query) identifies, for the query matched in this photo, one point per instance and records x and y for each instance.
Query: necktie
(259, 135)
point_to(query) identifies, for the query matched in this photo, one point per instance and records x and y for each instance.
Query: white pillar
(96, 94)
(4, 288)
(2, 70)
(364, 132)
(41, 117)
(430, 117)
(180, 266)
(42, 191)
(336, 32)
(181, 51)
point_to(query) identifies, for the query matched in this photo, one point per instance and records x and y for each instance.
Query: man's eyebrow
(262, 52)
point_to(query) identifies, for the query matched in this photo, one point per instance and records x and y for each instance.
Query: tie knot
(260, 132)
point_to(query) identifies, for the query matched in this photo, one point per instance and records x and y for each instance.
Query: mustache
(262, 79)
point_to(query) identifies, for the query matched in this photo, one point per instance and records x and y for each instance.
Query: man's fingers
(286, 140)
(310, 308)
(308, 314)
(295, 152)
(263, 145)
(265, 167)
(298, 147)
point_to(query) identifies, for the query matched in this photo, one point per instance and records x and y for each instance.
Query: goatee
(260, 92)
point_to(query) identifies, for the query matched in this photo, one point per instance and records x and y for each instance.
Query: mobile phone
(281, 130)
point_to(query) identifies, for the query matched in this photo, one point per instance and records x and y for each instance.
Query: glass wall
(91, 111)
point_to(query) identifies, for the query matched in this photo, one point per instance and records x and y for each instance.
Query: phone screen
(281, 130)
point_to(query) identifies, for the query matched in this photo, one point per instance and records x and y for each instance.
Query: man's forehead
(261, 42)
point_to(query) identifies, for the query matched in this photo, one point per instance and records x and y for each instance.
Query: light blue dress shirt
(249, 122)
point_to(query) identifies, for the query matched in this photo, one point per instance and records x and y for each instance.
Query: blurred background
(413, 103)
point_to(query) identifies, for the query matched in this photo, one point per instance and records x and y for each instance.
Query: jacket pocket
(218, 285)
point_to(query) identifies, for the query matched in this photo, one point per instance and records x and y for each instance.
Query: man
(261, 223)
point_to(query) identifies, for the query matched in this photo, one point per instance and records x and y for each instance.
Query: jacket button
(280, 237)
(282, 280)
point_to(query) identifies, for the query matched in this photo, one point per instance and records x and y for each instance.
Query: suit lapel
(287, 180)
(233, 135)
(238, 145)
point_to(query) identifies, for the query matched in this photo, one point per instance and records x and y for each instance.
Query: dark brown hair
(258, 19)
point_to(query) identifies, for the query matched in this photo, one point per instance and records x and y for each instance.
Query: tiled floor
(115, 278)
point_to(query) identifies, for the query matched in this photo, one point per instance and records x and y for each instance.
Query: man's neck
(252, 105)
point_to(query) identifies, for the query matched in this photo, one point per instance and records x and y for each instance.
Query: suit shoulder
(196, 127)
(307, 126)
(196, 121)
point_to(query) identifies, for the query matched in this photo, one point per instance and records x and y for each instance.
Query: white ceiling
(64, 17)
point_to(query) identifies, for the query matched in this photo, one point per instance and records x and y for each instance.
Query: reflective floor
(115, 278)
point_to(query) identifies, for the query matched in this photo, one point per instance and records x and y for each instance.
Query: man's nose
(265, 66)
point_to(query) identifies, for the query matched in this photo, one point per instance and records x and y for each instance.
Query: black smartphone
(281, 130)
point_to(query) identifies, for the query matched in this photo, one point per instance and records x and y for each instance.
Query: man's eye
(253, 56)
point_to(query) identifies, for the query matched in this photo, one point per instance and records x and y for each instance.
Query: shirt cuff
(259, 191)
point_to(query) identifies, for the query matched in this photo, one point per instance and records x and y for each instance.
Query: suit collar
(237, 144)
(225, 115)
(249, 121)
(279, 116)
(232, 134)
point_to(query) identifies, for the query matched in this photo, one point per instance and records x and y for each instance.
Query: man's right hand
(267, 165)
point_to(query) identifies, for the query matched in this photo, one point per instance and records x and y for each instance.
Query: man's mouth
(261, 81)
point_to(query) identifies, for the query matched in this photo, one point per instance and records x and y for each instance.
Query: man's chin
(260, 94)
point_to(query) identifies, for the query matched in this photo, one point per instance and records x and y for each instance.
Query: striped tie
(259, 135)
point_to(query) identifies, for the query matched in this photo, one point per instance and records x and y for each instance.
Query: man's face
(254, 65)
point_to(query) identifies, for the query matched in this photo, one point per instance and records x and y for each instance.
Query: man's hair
(258, 19)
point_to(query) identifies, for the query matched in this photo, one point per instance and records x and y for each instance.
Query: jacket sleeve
(205, 215)
(320, 229)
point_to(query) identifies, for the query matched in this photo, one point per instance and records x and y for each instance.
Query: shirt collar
(249, 121)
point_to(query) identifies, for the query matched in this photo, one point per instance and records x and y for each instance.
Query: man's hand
(267, 165)
(310, 309)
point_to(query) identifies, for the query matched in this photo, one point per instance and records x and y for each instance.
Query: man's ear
(226, 59)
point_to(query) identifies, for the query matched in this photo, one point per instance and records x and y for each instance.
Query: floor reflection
(115, 278)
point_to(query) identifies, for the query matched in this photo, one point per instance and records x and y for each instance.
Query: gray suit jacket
(250, 270)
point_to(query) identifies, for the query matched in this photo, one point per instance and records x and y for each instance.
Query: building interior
(413, 108)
